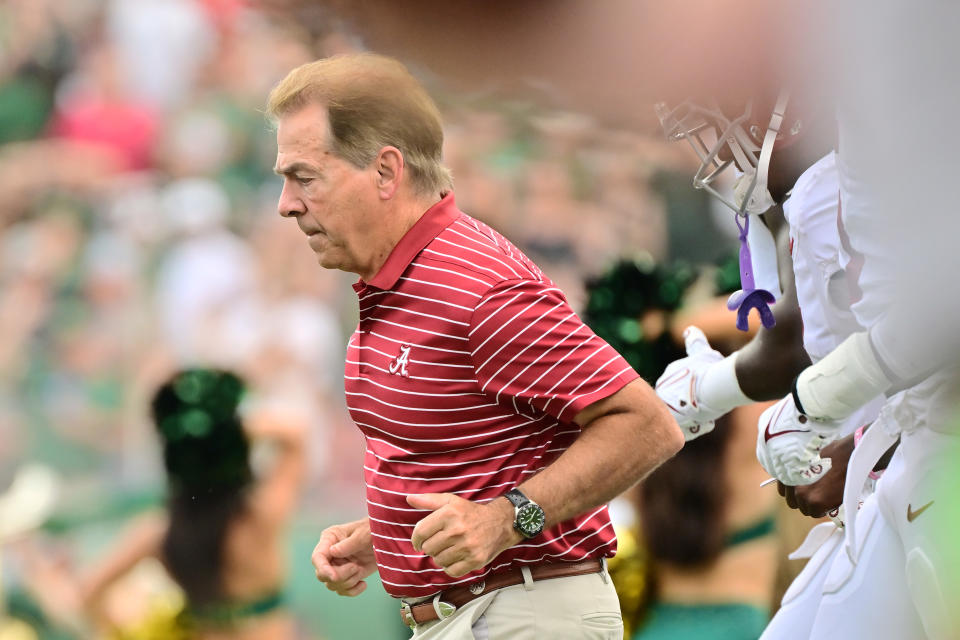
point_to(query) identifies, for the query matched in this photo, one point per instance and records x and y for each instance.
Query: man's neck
(397, 222)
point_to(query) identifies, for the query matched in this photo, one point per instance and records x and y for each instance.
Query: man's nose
(289, 205)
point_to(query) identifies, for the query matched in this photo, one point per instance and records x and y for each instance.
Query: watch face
(530, 519)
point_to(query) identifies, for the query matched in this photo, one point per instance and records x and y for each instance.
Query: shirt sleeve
(531, 352)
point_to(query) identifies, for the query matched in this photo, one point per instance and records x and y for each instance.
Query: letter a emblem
(399, 365)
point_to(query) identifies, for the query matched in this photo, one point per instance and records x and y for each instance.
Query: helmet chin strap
(758, 185)
(749, 296)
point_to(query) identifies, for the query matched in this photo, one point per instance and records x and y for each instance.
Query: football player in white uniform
(900, 575)
(705, 385)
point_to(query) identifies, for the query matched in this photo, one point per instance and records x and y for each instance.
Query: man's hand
(789, 444)
(826, 494)
(344, 557)
(679, 386)
(461, 535)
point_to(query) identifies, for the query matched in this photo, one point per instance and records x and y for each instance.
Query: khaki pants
(555, 609)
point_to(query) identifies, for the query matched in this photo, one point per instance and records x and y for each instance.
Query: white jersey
(865, 245)
(898, 172)
(822, 290)
(898, 165)
(811, 211)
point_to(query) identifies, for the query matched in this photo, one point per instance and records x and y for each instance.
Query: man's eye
(304, 181)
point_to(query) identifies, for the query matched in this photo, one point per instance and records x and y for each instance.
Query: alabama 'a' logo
(399, 364)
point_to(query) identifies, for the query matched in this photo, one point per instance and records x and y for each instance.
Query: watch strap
(516, 497)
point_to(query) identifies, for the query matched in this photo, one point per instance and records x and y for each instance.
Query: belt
(445, 603)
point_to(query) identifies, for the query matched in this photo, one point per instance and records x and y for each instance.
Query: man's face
(333, 202)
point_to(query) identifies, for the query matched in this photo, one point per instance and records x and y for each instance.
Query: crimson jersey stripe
(483, 334)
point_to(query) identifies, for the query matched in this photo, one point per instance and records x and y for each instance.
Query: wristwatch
(528, 517)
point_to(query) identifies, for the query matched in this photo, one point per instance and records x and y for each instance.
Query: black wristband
(796, 396)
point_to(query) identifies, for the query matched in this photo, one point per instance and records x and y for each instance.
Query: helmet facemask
(707, 130)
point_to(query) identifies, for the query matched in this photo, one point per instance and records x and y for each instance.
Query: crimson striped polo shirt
(464, 374)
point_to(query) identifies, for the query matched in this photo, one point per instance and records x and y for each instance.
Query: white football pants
(905, 582)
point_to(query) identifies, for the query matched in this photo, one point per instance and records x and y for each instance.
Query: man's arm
(625, 436)
(533, 355)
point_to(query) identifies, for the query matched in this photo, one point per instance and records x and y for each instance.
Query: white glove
(789, 444)
(837, 515)
(693, 404)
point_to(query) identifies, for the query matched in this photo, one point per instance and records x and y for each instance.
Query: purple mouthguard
(749, 297)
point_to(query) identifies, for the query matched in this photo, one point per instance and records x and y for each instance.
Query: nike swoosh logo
(767, 436)
(913, 515)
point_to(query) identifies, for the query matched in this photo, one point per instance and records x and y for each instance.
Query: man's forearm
(624, 437)
(613, 453)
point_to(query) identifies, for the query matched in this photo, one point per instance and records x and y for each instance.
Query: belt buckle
(444, 609)
(406, 613)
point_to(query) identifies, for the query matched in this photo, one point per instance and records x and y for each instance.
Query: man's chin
(330, 262)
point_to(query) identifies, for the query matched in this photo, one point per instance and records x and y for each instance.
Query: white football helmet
(708, 130)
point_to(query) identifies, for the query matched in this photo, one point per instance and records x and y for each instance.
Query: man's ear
(389, 163)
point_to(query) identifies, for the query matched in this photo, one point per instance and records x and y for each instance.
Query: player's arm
(818, 499)
(793, 433)
(703, 386)
(768, 364)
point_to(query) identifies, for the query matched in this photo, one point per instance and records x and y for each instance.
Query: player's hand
(679, 386)
(824, 496)
(344, 557)
(789, 444)
(461, 535)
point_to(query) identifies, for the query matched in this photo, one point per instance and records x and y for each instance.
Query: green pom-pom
(196, 423)
(619, 299)
(629, 330)
(191, 386)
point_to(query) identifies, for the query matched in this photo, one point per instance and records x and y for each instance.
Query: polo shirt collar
(431, 223)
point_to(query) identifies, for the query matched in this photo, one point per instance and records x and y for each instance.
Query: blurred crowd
(138, 230)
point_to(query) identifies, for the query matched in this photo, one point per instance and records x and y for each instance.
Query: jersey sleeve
(531, 352)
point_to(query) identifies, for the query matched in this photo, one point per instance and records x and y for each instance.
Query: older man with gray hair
(497, 425)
